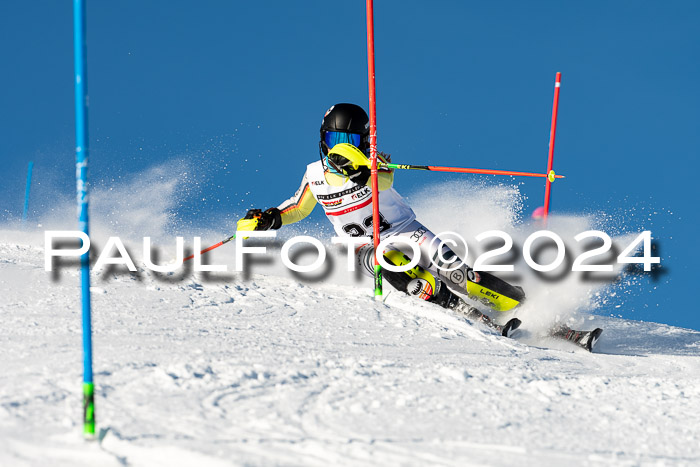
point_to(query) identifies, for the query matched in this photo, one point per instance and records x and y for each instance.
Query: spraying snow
(269, 367)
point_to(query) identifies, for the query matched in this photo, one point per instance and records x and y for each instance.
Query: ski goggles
(336, 137)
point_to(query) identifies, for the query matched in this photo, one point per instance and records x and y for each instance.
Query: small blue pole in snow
(26, 193)
(81, 165)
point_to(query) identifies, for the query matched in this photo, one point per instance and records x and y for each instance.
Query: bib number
(365, 230)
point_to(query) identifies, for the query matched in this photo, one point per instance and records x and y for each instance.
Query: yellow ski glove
(255, 219)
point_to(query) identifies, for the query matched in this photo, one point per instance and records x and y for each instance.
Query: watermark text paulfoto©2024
(452, 240)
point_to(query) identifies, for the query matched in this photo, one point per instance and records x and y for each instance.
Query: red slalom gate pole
(552, 135)
(373, 148)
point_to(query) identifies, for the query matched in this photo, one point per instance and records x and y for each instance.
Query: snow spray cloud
(138, 205)
(551, 296)
(518, 250)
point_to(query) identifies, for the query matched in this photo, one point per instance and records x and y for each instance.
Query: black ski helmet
(349, 118)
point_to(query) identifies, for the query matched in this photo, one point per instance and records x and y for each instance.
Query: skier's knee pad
(418, 282)
(398, 258)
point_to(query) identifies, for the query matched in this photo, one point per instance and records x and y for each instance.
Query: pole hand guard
(347, 156)
(351, 162)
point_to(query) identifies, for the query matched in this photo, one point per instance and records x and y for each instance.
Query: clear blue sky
(240, 87)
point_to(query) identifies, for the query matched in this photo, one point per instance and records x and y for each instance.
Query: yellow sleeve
(298, 206)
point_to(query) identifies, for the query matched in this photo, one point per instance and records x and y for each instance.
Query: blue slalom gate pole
(81, 165)
(26, 193)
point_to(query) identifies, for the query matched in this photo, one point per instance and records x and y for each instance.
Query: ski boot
(422, 284)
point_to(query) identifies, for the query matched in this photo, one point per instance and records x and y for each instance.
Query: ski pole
(212, 247)
(551, 175)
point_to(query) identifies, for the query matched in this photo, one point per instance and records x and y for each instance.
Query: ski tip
(593, 340)
(510, 327)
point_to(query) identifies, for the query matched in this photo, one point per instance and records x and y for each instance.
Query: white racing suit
(348, 207)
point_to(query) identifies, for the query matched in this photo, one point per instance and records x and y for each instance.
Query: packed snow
(270, 368)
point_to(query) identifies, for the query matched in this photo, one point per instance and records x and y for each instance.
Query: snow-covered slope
(273, 371)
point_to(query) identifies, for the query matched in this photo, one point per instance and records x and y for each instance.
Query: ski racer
(339, 182)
